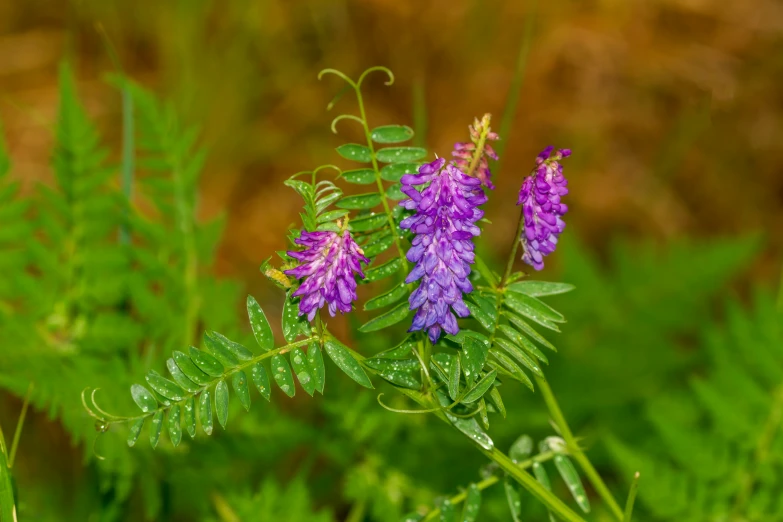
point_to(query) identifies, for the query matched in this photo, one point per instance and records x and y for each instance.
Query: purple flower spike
(540, 199)
(329, 264)
(444, 227)
(465, 153)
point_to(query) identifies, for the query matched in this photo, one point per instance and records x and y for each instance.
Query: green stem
(512, 257)
(7, 504)
(127, 159)
(574, 449)
(491, 481)
(19, 425)
(515, 89)
(631, 498)
(379, 182)
(266, 355)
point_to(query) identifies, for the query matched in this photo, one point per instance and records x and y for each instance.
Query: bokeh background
(673, 109)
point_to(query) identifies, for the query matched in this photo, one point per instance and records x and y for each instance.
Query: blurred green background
(673, 110)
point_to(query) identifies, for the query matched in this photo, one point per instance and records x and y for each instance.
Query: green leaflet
(236, 349)
(261, 379)
(164, 386)
(472, 504)
(391, 134)
(481, 387)
(401, 351)
(281, 372)
(469, 426)
(521, 449)
(302, 370)
(385, 270)
(294, 324)
(205, 412)
(510, 368)
(523, 342)
(394, 192)
(143, 398)
(180, 378)
(174, 425)
(497, 400)
(316, 362)
(379, 246)
(513, 499)
(523, 325)
(190, 416)
(345, 361)
(368, 222)
(539, 288)
(206, 362)
(447, 511)
(453, 383)
(221, 403)
(220, 352)
(355, 152)
(262, 330)
(156, 426)
(400, 154)
(571, 478)
(481, 316)
(533, 309)
(393, 316)
(360, 202)
(396, 171)
(190, 370)
(359, 176)
(135, 431)
(541, 476)
(387, 298)
(239, 384)
(519, 355)
(331, 216)
(473, 356)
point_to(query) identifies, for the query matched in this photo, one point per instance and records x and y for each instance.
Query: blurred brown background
(674, 108)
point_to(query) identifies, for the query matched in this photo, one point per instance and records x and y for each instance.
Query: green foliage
(291, 503)
(714, 449)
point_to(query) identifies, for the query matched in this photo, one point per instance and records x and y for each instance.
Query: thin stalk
(379, 182)
(513, 256)
(266, 355)
(489, 482)
(19, 425)
(128, 159)
(7, 505)
(419, 112)
(546, 497)
(631, 498)
(574, 449)
(515, 89)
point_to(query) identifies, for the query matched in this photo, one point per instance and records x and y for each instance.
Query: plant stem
(491, 481)
(516, 87)
(19, 425)
(550, 501)
(574, 449)
(631, 498)
(512, 257)
(379, 182)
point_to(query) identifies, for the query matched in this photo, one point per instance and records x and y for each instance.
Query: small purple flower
(444, 227)
(540, 199)
(465, 153)
(329, 264)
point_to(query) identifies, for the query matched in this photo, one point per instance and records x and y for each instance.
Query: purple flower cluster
(540, 199)
(444, 227)
(328, 264)
(465, 152)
